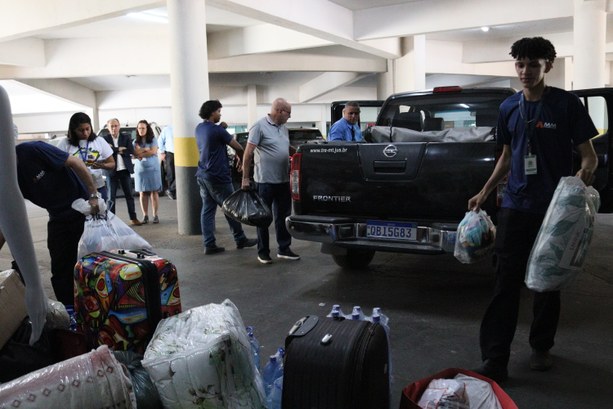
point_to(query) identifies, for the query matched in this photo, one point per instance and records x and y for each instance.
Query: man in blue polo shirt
(53, 179)
(347, 128)
(214, 176)
(539, 127)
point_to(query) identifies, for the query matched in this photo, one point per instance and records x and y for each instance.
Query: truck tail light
(294, 176)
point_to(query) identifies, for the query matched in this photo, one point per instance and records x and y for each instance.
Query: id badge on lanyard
(530, 167)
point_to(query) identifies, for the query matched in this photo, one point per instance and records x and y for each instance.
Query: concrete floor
(434, 304)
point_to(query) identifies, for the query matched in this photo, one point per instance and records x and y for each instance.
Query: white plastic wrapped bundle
(561, 245)
(95, 380)
(202, 358)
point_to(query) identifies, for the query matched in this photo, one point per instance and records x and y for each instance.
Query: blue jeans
(278, 197)
(213, 195)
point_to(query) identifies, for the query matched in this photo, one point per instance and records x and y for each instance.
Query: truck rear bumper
(346, 232)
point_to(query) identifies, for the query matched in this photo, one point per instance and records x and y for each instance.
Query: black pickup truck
(406, 189)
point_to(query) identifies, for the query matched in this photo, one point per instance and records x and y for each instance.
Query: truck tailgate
(416, 181)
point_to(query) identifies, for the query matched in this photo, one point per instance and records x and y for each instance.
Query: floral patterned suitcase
(121, 296)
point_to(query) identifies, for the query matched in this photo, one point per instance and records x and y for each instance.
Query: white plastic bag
(479, 393)
(127, 237)
(474, 237)
(105, 232)
(98, 235)
(561, 245)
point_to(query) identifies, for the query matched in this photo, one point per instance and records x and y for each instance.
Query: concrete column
(410, 69)
(189, 88)
(589, 35)
(252, 105)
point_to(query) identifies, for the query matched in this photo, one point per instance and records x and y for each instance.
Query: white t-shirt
(97, 150)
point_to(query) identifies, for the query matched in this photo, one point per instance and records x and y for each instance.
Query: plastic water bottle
(383, 319)
(276, 393)
(336, 312)
(280, 355)
(255, 346)
(72, 316)
(357, 314)
(269, 372)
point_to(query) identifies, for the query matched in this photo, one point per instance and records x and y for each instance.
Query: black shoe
(288, 255)
(246, 243)
(213, 250)
(540, 360)
(170, 195)
(145, 220)
(264, 259)
(493, 370)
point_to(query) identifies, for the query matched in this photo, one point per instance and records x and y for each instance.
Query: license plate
(391, 230)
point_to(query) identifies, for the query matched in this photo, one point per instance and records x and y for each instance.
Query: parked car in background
(297, 137)
(131, 130)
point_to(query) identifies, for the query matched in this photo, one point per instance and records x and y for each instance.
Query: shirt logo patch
(546, 125)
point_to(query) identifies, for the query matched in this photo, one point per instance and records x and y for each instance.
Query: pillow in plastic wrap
(202, 358)
(561, 245)
(475, 237)
(444, 393)
(95, 381)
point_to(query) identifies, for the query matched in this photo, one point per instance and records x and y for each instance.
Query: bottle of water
(255, 346)
(357, 314)
(336, 312)
(384, 320)
(280, 355)
(276, 393)
(72, 316)
(269, 372)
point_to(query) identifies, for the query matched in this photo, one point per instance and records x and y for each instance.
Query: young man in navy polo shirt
(539, 127)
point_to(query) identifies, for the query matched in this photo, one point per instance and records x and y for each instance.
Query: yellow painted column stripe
(186, 151)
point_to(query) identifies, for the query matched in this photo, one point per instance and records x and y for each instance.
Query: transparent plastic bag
(247, 207)
(474, 237)
(105, 232)
(561, 245)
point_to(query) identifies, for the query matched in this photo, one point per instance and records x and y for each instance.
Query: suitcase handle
(303, 326)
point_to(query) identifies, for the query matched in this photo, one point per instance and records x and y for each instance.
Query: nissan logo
(390, 151)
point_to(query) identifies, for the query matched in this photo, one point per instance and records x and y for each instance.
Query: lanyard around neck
(530, 124)
(82, 153)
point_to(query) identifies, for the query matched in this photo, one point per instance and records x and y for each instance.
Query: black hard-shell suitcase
(336, 364)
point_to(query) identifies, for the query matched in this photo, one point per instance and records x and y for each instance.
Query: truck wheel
(354, 259)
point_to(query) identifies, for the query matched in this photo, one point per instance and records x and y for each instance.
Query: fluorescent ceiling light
(155, 16)
(485, 29)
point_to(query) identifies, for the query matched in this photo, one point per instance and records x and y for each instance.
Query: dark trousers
(169, 167)
(63, 235)
(515, 235)
(278, 197)
(122, 178)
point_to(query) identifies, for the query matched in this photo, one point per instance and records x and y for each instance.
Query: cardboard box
(12, 304)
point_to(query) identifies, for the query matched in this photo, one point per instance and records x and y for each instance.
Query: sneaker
(265, 259)
(492, 370)
(155, 220)
(170, 195)
(540, 360)
(213, 250)
(288, 255)
(246, 243)
(135, 222)
(145, 220)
